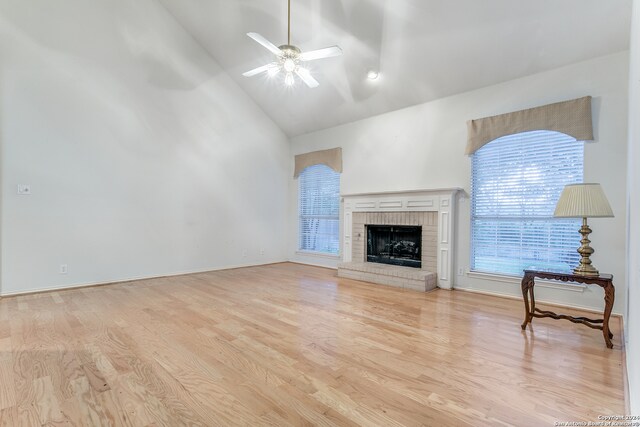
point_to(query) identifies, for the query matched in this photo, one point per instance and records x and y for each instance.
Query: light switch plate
(24, 190)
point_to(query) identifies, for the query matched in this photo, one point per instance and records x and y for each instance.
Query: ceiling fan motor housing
(290, 51)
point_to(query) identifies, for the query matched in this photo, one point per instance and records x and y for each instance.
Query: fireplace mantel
(442, 201)
(433, 191)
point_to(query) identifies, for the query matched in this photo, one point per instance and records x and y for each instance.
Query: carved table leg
(527, 283)
(609, 298)
(532, 298)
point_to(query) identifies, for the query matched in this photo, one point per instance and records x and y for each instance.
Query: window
(319, 209)
(515, 184)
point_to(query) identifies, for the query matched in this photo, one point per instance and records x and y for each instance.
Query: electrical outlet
(63, 268)
(461, 271)
(262, 251)
(24, 189)
(244, 253)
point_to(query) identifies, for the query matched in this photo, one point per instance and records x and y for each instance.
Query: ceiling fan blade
(306, 77)
(266, 43)
(261, 69)
(327, 52)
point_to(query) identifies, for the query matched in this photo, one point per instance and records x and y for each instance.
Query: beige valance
(570, 117)
(331, 158)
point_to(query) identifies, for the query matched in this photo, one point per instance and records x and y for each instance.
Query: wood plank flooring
(288, 344)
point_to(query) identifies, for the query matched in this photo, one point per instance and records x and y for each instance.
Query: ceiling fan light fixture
(289, 65)
(289, 80)
(373, 75)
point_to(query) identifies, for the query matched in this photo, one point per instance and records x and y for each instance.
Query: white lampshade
(583, 201)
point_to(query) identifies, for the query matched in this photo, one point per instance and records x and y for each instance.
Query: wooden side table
(603, 280)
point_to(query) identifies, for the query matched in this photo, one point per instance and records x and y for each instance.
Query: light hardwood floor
(288, 344)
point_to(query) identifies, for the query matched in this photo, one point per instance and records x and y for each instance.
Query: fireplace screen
(395, 244)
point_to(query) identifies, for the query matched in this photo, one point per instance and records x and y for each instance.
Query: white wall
(143, 157)
(422, 147)
(633, 256)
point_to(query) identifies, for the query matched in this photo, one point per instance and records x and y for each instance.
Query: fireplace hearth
(395, 245)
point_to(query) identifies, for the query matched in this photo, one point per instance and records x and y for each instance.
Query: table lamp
(583, 201)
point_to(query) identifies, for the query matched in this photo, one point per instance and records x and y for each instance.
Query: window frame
(570, 225)
(300, 247)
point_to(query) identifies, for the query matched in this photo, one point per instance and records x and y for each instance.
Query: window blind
(515, 185)
(319, 209)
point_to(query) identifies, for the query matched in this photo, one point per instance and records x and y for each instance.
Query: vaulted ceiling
(424, 49)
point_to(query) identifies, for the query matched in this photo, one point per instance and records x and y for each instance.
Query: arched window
(515, 184)
(319, 209)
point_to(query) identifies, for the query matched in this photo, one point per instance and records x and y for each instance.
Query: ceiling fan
(289, 57)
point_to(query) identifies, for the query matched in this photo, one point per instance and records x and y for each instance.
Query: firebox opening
(395, 245)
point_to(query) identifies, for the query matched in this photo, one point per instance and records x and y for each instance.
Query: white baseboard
(297, 261)
(541, 301)
(130, 279)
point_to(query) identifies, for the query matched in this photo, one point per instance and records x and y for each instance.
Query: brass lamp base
(585, 268)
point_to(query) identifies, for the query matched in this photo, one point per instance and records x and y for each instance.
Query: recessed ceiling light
(372, 75)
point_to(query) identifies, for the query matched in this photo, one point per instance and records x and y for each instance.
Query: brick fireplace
(431, 210)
